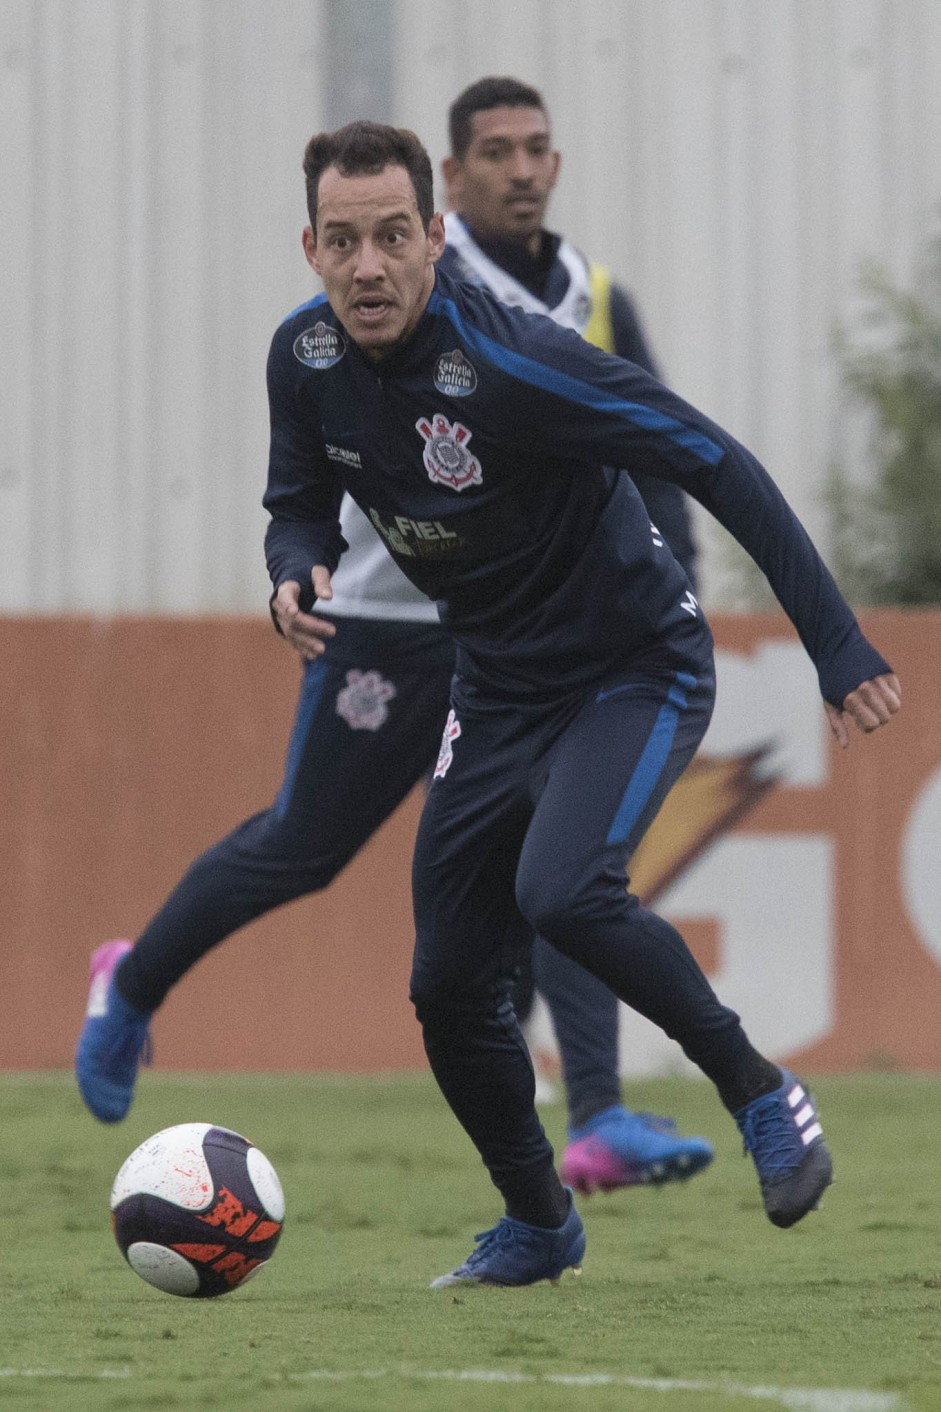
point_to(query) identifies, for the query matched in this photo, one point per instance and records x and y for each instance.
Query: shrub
(886, 546)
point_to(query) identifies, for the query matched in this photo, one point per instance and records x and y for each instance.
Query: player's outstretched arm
(871, 705)
(306, 634)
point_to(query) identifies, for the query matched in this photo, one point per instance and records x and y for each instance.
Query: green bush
(886, 546)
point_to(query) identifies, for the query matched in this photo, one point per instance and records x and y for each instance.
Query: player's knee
(431, 991)
(556, 905)
(429, 1001)
(445, 1002)
(548, 906)
(275, 849)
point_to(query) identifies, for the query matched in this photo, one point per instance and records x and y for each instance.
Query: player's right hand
(306, 634)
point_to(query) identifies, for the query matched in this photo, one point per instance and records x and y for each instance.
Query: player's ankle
(537, 1197)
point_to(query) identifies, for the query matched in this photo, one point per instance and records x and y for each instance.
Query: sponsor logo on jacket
(319, 347)
(416, 539)
(454, 375)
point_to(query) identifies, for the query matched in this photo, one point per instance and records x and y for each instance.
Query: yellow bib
(599, 329)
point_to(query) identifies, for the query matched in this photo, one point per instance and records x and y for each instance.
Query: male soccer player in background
(499, 176)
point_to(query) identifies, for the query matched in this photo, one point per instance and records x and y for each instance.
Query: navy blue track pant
(528, 826)
(367, 729)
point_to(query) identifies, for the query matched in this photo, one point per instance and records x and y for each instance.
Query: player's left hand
(871, 705)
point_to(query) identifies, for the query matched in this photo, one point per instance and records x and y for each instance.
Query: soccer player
(370, 713)
(478, 439)
(499, 176)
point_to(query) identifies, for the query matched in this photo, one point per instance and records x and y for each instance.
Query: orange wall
(129, 745)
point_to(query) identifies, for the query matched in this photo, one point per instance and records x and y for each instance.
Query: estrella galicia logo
(454, 375)
(319, 347)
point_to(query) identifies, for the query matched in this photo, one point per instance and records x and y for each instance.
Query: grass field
(690, 1300)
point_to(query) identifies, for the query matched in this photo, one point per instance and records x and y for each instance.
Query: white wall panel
(734, 162)
(153, 202)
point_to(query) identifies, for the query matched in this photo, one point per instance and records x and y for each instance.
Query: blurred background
(764, 178)
(739, 167)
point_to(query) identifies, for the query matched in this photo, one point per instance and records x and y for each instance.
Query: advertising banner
(806, 879)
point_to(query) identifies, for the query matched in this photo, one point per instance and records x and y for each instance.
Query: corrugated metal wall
(734, 161)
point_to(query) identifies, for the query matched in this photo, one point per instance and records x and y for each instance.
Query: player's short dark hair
(365, 149)
(478, 98)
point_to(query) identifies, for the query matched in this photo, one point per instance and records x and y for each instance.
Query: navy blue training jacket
(548, 278)
(480, 449)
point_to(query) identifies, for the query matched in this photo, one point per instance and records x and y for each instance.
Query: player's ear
(556, 164)
(436, 236)
(309, 241)
(451, 172)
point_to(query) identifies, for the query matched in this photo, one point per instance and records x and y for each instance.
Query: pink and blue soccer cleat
(617, 1148)
(113, 1041)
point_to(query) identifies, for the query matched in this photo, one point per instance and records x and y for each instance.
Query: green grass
(686, 1284)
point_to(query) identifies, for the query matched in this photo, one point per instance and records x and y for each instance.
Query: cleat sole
(573, 1269)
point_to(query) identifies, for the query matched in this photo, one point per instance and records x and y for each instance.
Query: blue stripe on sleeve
(654, 757)
(552, 380)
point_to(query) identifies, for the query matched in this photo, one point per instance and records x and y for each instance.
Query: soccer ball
(197, 1210)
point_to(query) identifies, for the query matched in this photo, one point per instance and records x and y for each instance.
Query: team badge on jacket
(446, 457)
(452, 729)
(362, 702)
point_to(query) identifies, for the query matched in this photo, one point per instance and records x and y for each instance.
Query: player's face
(502, 184)
(373, 254)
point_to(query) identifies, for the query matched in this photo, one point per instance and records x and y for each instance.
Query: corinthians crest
(446, 457)
(362, 702)
(452, 730)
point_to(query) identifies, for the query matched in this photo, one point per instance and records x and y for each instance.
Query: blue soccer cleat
(616, 1148)
(114, 1039)
(515, 1253)
(783, 1134)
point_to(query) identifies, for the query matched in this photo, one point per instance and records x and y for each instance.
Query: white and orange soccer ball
(197, 1210)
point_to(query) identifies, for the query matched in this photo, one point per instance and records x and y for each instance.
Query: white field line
(793, 1399)
(72, 1377)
